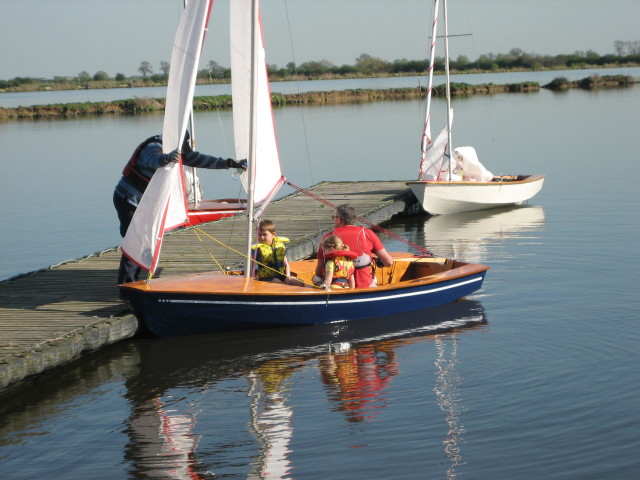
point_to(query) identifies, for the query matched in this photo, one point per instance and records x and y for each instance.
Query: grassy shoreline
(222, 102)
(58, 84)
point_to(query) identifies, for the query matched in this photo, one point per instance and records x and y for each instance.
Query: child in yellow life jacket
(338, 264)
(270, 255)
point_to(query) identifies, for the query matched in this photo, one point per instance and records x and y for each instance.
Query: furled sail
(268, 174)
(435, 161)
(163, 206)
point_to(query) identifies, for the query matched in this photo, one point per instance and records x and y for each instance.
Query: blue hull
(178, 314)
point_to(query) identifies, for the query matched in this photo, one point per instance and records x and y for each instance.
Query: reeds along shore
(221, 102)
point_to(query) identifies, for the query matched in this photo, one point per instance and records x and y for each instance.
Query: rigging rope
(195, 230)
(243, 255)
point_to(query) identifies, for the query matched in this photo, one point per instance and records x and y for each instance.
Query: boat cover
(467, 160)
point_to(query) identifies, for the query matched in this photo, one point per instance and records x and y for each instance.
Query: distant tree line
(515, 59)
(626, 53)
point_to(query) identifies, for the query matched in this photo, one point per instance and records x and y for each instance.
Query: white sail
(268, 174)
(163, 205)
(193, 189)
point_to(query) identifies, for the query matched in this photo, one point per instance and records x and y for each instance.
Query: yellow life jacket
(343, 269)
(270, 259)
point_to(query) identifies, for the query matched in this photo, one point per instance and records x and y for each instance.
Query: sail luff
(426, 135)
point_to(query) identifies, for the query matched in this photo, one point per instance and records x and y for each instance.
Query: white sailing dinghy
(453, 181)
(222, 301)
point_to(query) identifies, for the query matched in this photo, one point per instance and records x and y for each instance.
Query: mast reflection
(271, 417)
(446, 389)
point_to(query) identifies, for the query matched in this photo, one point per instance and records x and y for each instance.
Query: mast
(446, 68)
(251, 161)
(426, 135)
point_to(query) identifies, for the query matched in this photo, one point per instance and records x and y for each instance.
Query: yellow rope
(196, 230)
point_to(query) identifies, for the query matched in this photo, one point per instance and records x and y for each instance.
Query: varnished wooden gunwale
(237, 285)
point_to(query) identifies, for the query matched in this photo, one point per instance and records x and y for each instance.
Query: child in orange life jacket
(338, 264)
(270, 255)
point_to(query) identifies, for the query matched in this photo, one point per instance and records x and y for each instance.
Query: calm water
(535, 376)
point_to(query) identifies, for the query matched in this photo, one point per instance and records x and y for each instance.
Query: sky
(50, 38)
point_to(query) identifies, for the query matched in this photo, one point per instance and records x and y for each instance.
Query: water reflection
(224, 405)
(471, 235)
(162, 443)
(355, 363)
(446, 389)
(355, 378)
(271, 419)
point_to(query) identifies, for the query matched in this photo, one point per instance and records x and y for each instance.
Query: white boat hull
(437, 197)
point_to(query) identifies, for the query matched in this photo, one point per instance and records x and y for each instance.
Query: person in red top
(361, 240)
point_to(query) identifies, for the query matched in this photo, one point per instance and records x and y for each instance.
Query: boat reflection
(225, 405)
(162, 441)
(271, 419)
(470, 235)
(355, 363)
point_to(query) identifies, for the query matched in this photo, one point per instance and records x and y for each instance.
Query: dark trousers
(128, 271)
